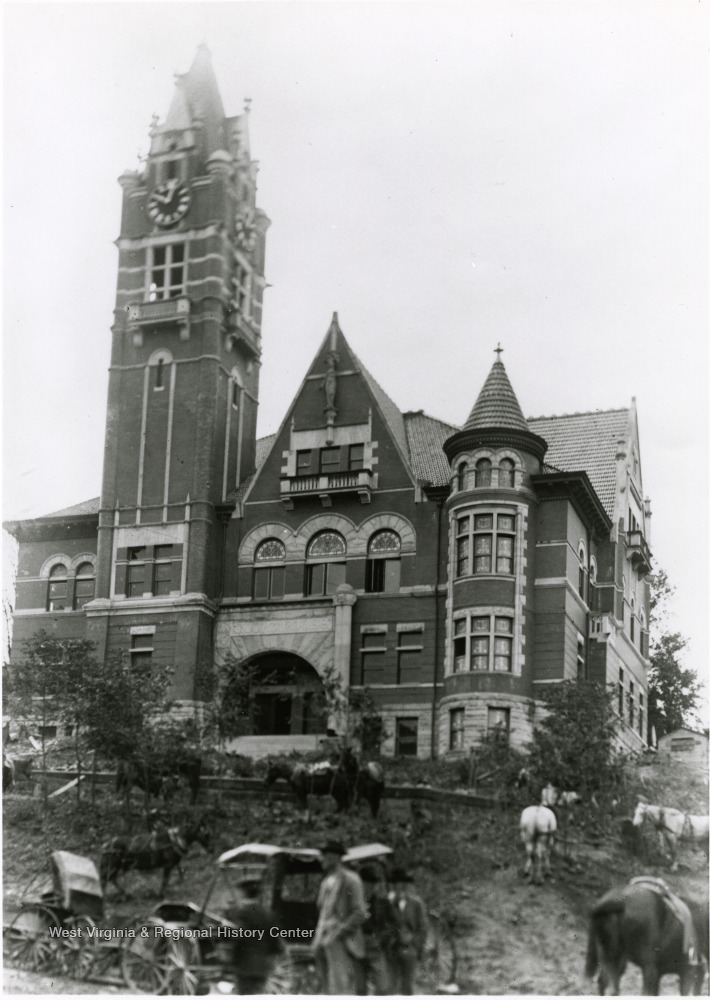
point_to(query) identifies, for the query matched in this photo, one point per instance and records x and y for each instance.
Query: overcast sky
(445, 175)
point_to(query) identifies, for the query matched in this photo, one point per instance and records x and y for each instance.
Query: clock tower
(183, 381)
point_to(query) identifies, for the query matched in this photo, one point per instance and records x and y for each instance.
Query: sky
(446, 176)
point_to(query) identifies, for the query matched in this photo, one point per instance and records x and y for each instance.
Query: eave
(576, 487)
(41, 529)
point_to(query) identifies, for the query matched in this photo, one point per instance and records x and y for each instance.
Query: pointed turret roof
(196, 101)
(497, 405)
(496, 414)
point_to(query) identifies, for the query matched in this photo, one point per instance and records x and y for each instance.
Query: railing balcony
(637, 548)
(243, 331)
(325, 485)
(148, 315)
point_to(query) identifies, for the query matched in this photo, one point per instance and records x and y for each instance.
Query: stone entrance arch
(286, 696)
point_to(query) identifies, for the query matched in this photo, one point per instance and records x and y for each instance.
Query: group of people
(368, 933)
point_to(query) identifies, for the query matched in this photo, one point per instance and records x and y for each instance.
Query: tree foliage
(48, 684)
(673, 690)
(573, 745)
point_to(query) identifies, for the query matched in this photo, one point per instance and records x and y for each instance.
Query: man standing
(339, 943)
(253, 957)
(413, 926)
(381, 937)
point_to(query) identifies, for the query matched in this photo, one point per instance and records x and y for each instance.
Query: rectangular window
(409, 657)
(632, 705)
(581, 660)
(356, 457)
(167, 272)
(499, 722)
(621, 693)
(162, 578)
(303, 463)
(323, 579)
(242, 289)
(135, 580)
(57, 596)
(382, 576)
(373, 650)
(406, 733)
(269, 583)
(491, 540)
(459, 645)
(329, 460)
(142, 651)
(83, 592)
(640, 714)
(485, 642)
(456, 729)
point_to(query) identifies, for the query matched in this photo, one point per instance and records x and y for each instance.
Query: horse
(162, 848)
(160, 779)
(538, 826)
(317, 779)
(366, 780)
(552, 797)
(646, 924)
(674, 826)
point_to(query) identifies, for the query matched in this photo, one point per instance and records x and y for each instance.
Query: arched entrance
(285, 696)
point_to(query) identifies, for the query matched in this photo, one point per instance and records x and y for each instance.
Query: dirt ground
(511, 937)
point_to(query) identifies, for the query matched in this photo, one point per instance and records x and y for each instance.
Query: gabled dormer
(340, 433)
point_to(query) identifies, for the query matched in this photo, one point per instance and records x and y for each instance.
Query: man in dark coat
(381, 937)
(253, 956)
(412, 926)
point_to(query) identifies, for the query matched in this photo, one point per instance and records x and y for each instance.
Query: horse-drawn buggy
(187, 946)
(58, 923)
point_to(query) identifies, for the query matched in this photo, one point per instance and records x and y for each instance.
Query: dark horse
(160, 779)
(646, 924)
(366, 780)
(163, 848)
(312, 779)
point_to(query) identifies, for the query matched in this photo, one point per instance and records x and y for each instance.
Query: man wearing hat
(338, 942)
(381, 936)
(253, 956)
(412, 925)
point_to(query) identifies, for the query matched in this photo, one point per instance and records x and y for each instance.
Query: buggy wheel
(27, 942)
(283, 977)
(76, 954)
(182, 967)
(144, 959)
(438, 966)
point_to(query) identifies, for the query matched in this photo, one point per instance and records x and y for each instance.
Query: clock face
(168, 202)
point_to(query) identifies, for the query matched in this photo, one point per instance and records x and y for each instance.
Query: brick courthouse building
(455, 572)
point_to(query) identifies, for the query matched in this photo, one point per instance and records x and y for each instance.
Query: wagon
(57, 924)
(187, 946)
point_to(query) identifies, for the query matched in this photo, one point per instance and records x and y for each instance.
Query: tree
(573, 746)
(48, 684)
(673, 690)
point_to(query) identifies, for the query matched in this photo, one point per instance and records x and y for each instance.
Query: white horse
(538, 826)
(673, 826)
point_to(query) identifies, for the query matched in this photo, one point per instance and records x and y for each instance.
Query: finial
(498, 350)
(247, 105)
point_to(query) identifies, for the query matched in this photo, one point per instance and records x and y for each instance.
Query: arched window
(383, 563)
(592, 600)
(582, 579)
(84, 585)
(57, 588)
(269, 570)
(462, 476)
(325, 569)
(506, 472)
(483, 472)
